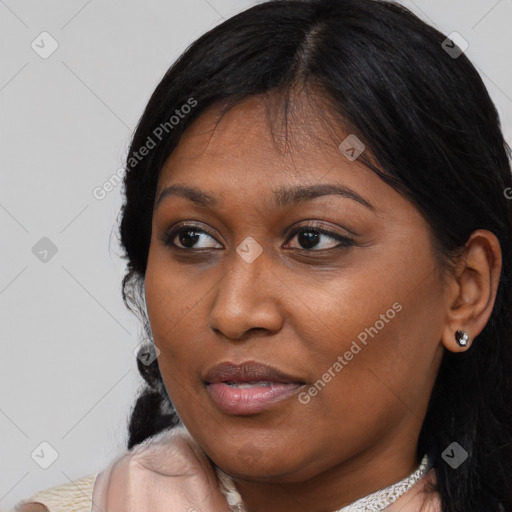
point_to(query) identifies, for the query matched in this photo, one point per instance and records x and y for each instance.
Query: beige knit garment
(71, 497)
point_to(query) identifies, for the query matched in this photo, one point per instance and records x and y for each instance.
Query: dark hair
(434, 135)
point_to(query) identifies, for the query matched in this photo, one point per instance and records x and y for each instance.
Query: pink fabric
(170, 473)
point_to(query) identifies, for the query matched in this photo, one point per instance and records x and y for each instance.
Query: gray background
(68, 372)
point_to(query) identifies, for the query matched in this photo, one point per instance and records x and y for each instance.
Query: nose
(247, 300)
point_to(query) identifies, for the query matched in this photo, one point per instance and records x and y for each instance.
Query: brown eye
(309, 238)
(187, 236)
(312, 237)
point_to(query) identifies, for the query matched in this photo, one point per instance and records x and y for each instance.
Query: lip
(272, 386)
(248, 371)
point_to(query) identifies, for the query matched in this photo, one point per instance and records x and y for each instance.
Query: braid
(153, 410)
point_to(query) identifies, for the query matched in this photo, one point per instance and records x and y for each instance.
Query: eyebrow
(283, 196)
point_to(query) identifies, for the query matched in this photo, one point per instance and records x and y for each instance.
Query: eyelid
(320, 227)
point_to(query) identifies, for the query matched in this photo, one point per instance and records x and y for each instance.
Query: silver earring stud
(462, 338)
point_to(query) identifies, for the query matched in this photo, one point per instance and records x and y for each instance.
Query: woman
(318, 235)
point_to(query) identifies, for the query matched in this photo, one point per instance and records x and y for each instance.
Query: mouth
(261, 383)
(249, 388)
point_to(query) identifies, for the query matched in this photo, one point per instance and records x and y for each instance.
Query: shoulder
(75, 495)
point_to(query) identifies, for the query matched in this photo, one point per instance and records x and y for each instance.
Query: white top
(74, 496)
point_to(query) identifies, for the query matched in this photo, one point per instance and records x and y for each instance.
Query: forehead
(255, 142)
(243, 162)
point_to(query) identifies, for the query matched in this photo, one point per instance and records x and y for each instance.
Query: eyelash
(345, 240)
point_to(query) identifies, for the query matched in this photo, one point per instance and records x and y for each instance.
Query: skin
(298, 309)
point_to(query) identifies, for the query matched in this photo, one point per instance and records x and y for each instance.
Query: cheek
(169, 297)
(176, 310)
(375, 362)
(376, 334)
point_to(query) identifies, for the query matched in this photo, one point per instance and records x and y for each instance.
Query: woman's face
(350, 316)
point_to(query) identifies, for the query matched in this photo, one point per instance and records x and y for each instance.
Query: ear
(472, 289)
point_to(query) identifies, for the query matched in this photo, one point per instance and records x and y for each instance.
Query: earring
(462, 338)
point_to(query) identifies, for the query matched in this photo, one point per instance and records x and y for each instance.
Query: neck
(332, 489)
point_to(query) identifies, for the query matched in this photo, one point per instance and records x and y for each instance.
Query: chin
(247, 464)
